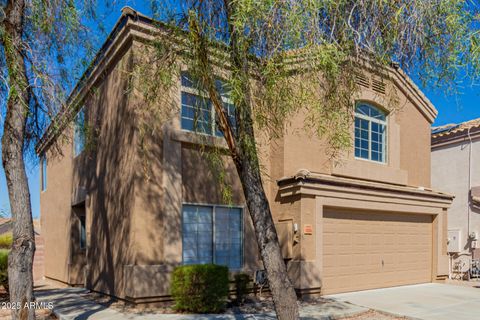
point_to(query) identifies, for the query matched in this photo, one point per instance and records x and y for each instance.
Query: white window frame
(204, 95)
(384, 136)
(242, 230)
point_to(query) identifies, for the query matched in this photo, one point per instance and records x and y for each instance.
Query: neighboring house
(5, 226)
(38, 259)
(369, 222)
(455, 169)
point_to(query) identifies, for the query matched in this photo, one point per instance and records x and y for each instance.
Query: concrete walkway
(69, 304)
(431, 301)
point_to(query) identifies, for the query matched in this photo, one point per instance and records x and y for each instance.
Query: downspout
(469, 182)
(469, 197)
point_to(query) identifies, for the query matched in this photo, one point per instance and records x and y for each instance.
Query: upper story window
(198, 113)
(79, 133)
(370, 133)
(44, 172)
(212, 234)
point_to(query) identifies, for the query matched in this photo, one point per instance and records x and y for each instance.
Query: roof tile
(452, 128)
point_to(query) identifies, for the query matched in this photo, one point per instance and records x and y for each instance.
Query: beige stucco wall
(55, 213)
(408, 145)
(110, 190)
(311, 200)
(134, 196)
(104, 171)
(450, 173)
(174, 169)
(414, 145)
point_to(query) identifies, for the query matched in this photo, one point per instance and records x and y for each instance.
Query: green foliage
(200, 288)
(55, 47)
(216, 162)
(302, 59)
(242, 281)
(6, 241)
(434, 40)
(4, 268)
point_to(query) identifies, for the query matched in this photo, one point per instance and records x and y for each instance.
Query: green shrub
(6, 241)
(241, 286)
(4, 268)
(200, 288)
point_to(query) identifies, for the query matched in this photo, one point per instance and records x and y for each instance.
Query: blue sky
(452, 109)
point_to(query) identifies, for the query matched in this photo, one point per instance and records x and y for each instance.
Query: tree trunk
(245, 156)
(284, 295)
(248, 168)
(20, 259)
(243, 150)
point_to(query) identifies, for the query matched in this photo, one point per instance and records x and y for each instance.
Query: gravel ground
(5, 312)
(251, 306)
(374, 315)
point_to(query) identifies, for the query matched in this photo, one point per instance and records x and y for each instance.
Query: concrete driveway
(422, 301)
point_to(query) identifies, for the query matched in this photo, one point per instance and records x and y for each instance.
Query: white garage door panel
(363, 250)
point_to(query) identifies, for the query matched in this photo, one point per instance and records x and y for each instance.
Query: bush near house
(241, 287)
(4, 268)
(200, 288)
(6, 241)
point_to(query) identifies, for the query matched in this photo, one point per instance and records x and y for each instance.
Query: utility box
(454, 241)
(285, 238)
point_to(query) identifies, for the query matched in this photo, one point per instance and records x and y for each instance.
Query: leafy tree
(285, 57)
(36, 38)
(268, 46)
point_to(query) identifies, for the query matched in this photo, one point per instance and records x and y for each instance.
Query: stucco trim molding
(330, 186)
(79, 196)
(475, 196)
(200, 139)
(476, 201)
(133, 25)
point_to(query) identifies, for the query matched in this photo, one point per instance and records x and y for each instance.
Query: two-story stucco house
(455, 158)
(369, 221)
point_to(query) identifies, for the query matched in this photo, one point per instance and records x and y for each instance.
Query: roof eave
(310, 178)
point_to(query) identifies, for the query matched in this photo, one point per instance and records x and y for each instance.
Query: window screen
(198, 113)
(197, 235)
(228, 237)
(212, 234)
(370, 133)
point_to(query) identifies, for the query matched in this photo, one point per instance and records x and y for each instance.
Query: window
(370, 133)
(79, 133)
(83, 232)
(44, 172)
(212, 234)
(198, 113)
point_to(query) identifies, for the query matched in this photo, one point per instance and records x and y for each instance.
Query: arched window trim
(370, 134)
(381, 110)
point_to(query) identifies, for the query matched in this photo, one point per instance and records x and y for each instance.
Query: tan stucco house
(455, 158)
(367, 220)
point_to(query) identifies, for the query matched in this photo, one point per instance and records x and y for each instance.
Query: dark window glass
(370, 133)
(83, 233)
(212, 234)
(197, 111)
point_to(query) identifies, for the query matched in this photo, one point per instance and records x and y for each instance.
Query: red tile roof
(453, 128)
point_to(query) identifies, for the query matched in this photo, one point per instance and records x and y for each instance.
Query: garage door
(363, 250)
